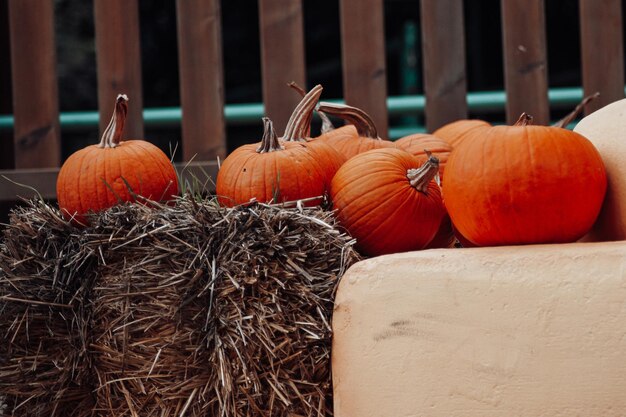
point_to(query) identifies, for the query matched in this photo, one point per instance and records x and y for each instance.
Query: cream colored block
(508, 331)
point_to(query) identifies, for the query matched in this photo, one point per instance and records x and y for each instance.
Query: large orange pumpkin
(524, 184)
(343, 139)
(113, 171)
(387, 201)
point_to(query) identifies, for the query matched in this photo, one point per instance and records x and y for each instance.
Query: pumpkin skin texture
(272, 171)
(345, 142)
(299, 128)
(420, 144)
(524, 184)
(605, 129)
(101, 176)
(456, 132)
(377, 204)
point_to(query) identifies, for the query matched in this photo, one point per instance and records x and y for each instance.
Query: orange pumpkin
(299, 128)
(524, 184)
(113, 171)
(456, 132)
(387, 201)
(280, 171)
(421, 144)
(343, 139)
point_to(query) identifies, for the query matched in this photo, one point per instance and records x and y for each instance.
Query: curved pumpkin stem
(327, 125)
(362, 121)
(269, 142)
(112, 135)
(577, 110)
(421, 177)
(524, 120)
(299, 124)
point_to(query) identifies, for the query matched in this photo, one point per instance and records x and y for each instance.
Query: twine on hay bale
(198, 310)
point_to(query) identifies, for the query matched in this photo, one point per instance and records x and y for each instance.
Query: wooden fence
(37, 139)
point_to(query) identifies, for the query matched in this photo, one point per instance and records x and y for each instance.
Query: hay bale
(43, 281)
(200, 310)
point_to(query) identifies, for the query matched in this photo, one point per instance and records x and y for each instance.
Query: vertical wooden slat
(282, 57)
(6, 106)
(35, 91)
(119, 62)
(201, 79)
(525, 61)
(602, 50)
(363, 58)
(443, 48)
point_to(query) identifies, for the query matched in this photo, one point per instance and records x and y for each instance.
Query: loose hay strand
(170, 310)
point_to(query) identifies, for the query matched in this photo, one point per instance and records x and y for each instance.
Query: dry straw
(181, 310)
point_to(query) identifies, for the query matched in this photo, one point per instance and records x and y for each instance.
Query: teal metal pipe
(240, 114)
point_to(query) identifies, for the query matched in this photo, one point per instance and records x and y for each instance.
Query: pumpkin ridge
(371, 203)
(362, 177)
(81, 204)
(149, 153)
(159, 162)
(240, 179)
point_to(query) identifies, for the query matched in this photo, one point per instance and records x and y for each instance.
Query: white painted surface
(606, 129)
(509, 331)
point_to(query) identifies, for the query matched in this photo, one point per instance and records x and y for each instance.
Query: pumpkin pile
(485, 185)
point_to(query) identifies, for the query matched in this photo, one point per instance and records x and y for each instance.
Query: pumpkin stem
(327, 125)
(299, 124)
(361, 120)
(577, 110)
(113, 133)
(524, 120)
(269, 142)
(421, 177)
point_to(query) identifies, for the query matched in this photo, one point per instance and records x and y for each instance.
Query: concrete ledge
(509, 331)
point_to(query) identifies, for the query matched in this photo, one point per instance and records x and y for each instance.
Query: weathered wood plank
(443, 49)
(7, 154)
(35, 93)
(525, 59)
(602, 50)
(201, 79)
(44, 180)
(282, 57)
(363, 58)
(118, 60)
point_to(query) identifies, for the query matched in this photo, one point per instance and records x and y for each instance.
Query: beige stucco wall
(509, 331)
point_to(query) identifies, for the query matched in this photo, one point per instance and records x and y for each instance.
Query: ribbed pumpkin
(387, 201)
(113, 171)
(421, 144)
(343, 138)
(524, 184)
(277, 170)
(456, 132)
(299, 128)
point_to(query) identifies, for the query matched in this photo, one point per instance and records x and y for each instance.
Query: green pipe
(238, 114)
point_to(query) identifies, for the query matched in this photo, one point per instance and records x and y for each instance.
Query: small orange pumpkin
(387, 201)
(280, 171)
(113, 171)
(421, 144)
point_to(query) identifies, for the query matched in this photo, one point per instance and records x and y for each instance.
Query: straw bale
(187, 309)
